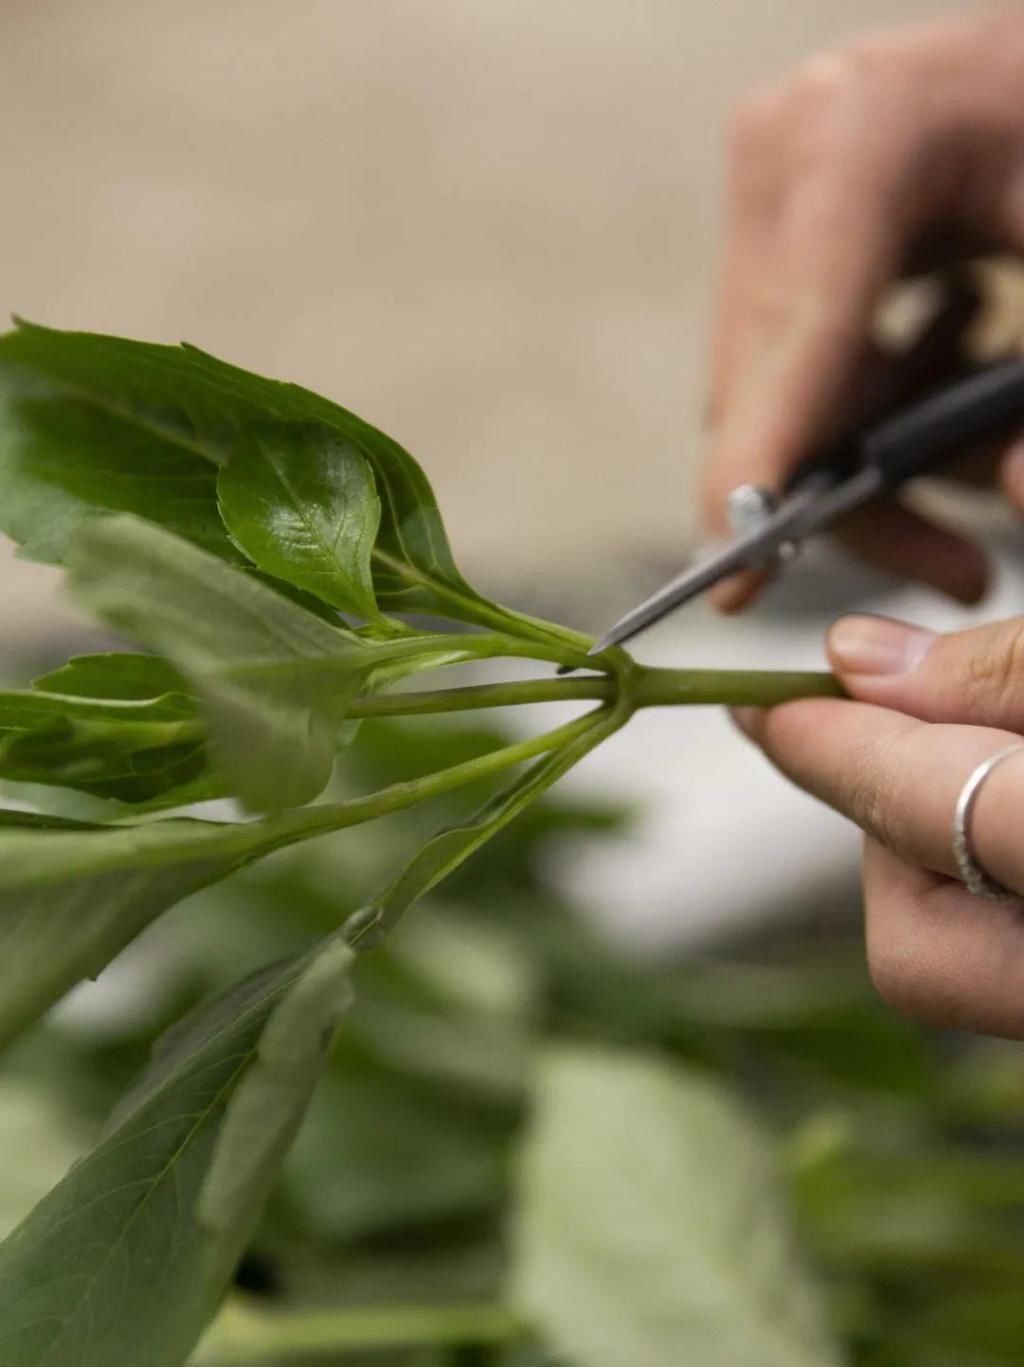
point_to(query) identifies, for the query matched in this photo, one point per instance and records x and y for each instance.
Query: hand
(928, 709)
(900, 150)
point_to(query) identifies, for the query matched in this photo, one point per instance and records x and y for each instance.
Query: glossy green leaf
(182, 396)
(121, 1261)
(300, 500)
(652, 1226)
(62, 460)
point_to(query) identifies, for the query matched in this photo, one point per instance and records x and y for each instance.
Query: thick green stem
(250, 1337)
(646, 687)
(729, 687)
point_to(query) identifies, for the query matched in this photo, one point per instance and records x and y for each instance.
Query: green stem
(248, 1337)
(729, 687)
(646, 687)
(452, 846)
(476, 696)
(292, 826)
(572, 645)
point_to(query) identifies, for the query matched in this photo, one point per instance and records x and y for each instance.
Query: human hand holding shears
(904, 149)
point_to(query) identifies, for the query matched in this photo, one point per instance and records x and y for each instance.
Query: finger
(886, 534)
(938, 954)
(895, 540)
(897, 778)
(1011, 474)
(898, 541)
(978, 469)
(753, 198)
(804, 328)
(974, 676)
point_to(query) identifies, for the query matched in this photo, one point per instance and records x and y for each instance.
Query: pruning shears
(978, 406)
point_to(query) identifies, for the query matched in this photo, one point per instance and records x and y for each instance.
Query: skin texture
(904, 149)
(894, 760)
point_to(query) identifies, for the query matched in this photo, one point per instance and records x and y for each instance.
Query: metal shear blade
(817, 503)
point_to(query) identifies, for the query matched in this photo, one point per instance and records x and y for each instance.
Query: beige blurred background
(488, 226)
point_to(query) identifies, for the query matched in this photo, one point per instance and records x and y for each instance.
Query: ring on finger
(972, 872)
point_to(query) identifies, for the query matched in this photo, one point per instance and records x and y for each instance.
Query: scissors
(981, 405)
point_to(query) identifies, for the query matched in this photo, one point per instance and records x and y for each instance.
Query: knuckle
(995, 674)
(753, 125)
(826, 76)
(874, 799)
(878, 54)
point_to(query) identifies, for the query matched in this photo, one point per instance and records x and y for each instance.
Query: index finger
(898, 778)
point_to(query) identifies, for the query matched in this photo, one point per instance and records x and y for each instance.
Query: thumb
(974, 676)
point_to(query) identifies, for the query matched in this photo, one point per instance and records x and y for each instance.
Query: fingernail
(860, 644)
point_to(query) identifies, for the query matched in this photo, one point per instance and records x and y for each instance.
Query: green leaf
(300, 500)
(381, 1154)
(266, 1109)
(101, 688)
(63, 459)
(73, 895)
(652, 1227)
(138, 678)
(183, 397)
(130, 761)
(121, 1262)
(275, 681)
(115, 726)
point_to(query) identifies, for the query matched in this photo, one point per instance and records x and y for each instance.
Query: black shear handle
(984, 405)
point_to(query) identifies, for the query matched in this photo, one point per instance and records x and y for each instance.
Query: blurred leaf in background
(651, 1224)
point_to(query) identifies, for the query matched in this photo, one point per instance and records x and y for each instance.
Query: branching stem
(303, 822)
(648, 687)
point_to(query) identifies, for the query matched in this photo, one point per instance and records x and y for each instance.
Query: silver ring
(974, 877)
